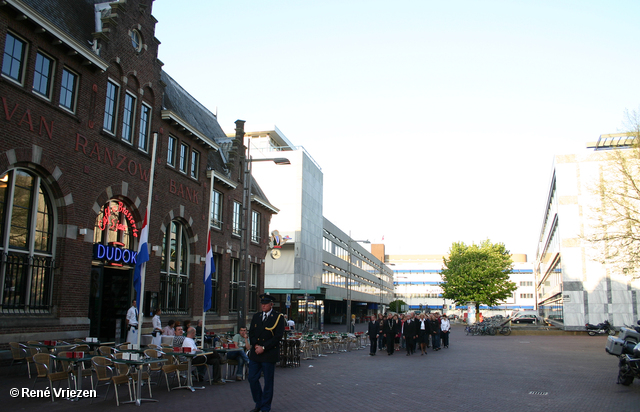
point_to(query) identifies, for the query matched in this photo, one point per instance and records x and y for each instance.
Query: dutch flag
(141, 259)
(209, 268)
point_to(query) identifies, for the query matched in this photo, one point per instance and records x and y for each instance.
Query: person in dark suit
(372, 331)
(265, 333)
(424, 332)
(390, 329)
(410, 334)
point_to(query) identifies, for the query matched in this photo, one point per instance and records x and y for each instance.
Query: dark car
(525, 319)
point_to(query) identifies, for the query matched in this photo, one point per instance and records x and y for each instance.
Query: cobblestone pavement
(477, 373)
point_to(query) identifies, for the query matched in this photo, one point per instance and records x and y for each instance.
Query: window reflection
(26, 212)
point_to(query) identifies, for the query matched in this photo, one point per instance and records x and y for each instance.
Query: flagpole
(204, 313)
(143, 269)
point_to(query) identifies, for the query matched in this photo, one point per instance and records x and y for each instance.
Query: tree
(477, 273)
(614, 232)
(396, 305)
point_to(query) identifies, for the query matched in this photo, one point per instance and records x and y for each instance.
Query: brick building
(83, 95)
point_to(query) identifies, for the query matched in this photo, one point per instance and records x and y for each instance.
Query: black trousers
(390, 343)
(374, 344)
(411, 344)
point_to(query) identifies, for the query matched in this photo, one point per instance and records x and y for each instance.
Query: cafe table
(225, 352)
(52, 348)
(77, 364)
(189, 356)
(94, 345)
(138, 364)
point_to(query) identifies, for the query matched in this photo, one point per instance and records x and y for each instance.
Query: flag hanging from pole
(209, 268)
(141, 259)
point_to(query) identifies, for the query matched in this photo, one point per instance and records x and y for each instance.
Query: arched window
(174, 275)
(26, 243)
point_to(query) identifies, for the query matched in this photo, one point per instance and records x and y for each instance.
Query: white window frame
(216, 209)
(128, 117)
(49, 76)
(111, 112)
(256, 220)
(74, 92)
(172, 145)
(236, 223)
(183, 157)
(22, 61)
(195, 164)
(145, 127)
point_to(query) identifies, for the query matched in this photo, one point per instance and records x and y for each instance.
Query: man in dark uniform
(265, 333)
(390, 329)
(372, 331)
(410, 334)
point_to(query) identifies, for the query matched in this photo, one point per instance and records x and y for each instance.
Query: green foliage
(478, 273)
(396, 305)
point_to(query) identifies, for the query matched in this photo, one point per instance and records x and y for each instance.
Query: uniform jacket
(391, 327)
(410, 328)
(373, 329)
(268, 334)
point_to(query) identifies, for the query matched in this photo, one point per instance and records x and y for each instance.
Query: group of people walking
(408, 331)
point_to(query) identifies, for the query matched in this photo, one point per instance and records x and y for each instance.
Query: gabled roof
(178, 105)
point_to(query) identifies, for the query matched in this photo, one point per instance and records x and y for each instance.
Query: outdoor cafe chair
(43, 363)
(172, 365)
(107, 351)
(103, 369)
(21, 354)
(155, 367)
(121, 378)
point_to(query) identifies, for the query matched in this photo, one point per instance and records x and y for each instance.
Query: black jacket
(373, 329)
(391, 327)
(268, 334)
(409, 329)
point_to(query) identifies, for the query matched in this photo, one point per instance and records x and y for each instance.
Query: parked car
(526, 318)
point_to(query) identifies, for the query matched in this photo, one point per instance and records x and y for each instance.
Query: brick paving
(477, 373)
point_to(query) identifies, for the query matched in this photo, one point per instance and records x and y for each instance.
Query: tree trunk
(477, 312)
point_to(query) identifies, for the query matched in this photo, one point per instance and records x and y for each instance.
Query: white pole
(143, 269)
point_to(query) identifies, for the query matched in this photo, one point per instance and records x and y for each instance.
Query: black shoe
(255, 410)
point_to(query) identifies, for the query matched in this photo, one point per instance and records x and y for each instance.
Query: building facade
(573, 287)
(84, 99)
(417, 282)
(311, 259)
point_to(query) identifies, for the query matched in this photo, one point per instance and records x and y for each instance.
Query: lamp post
(245, 236)
(349, 281)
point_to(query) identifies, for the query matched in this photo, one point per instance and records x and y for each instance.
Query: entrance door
(109, 301)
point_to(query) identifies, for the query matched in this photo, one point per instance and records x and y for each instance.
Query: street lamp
(244, 234)
(349, 281)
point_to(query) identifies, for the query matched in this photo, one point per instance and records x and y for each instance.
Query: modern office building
(84, 95)
(573, 287)
(313, 268)
(417, 282)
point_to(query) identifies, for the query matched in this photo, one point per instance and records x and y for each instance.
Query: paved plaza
(477, 373)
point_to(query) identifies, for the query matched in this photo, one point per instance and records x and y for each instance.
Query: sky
(433, 121)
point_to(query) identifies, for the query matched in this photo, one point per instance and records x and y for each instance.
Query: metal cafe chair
(43, 363)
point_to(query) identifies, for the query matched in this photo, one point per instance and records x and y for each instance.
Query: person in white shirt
(132, 323)
(445, 329)
(290, 323)
(157, 328)
(213, 359)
